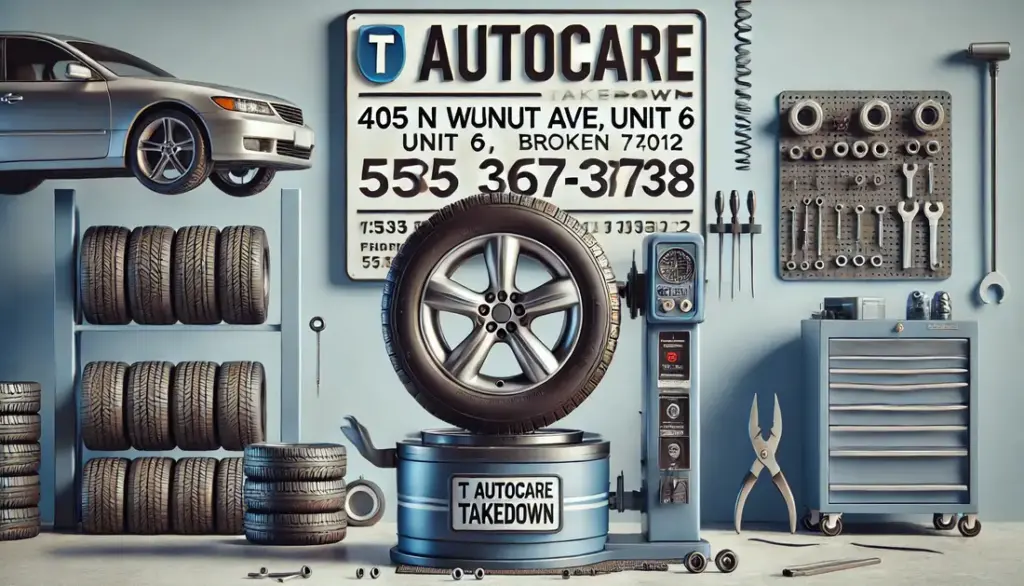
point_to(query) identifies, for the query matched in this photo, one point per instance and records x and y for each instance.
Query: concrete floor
(994, 557)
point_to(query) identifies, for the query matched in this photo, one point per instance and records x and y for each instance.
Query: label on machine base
(673, 362)
(507, 504)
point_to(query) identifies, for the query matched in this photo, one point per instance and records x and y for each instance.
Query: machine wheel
(17, 492)
(243, 275)
(447, 379)
(940, 524)
(316, 496)
(102, 279)
(457, 574)
(193, 496)
(241, 392)
(149, 275)
(18, 524)
(19, 459)
(831, 530)
(20, 397)
(149, 496)
(243, 182)
(295, 462)
(695, 562)
(727, 561)
(20, 429)
(364, 503)
(808, 525)
(194, 280)
(294, 529)
(102, 414)
(18, 182)
(149, 406)
(966, 528)
(167, 153)
(103, 492)
(230, 505)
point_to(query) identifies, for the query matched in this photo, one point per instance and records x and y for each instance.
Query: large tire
(241, 404)
(193, 412)
(19, 459)
(149, 275)
(18, 182)
(291, 462)
(103, 281)
(260, 181)
(295, 529)
(103, 409)
(243, 274)
(149, 496)
(230, 513)
(103, 495)
(17, 492)
(364, 503)
(582, 367)
(20, 397)
(194, 278)
(18, 524)
(193, 496)
(149, 406)
(323, 496)
(194, 175)
(19, 429)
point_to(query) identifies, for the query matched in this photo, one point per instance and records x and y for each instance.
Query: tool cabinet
(891, 417)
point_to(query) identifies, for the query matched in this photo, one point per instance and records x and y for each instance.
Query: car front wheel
(243, 182)
(168, 154)
(18, 183)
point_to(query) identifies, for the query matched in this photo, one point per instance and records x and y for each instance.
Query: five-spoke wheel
(168, 153)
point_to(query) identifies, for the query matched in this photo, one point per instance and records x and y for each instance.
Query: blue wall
(283, 48)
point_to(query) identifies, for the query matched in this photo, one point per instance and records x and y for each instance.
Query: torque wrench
(880, 210)
(318, 325)
(909, 170)
(908, 232)
(933, 211)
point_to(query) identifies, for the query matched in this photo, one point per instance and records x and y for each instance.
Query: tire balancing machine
(669, 296)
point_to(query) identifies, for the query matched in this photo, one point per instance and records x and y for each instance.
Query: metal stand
(68, 450)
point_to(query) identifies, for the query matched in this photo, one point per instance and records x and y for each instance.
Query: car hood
(229, 91)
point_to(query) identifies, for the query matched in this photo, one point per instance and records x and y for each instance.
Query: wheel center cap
(501, 313)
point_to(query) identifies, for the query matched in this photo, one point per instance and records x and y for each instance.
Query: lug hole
(511, 327)
(514, 297)
(519, 310)
(489, 298)
(491, 326)
(499, 383)
(502, 296)
(502, 334)
(484, 310)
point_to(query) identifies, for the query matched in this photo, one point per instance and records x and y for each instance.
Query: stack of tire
(154, 275)
(19, 460)
(154, 496)
(295, 494)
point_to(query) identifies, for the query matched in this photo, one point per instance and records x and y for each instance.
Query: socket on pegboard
(850, 149)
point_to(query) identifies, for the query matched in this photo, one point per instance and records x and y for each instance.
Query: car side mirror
(78, 72)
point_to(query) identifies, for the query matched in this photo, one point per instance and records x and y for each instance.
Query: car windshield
(121, 63)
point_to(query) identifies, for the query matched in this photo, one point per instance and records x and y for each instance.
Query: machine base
(620, 547)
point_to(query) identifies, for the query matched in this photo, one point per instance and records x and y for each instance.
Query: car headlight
(244, 106)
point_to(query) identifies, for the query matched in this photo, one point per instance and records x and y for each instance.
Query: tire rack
(68, 450)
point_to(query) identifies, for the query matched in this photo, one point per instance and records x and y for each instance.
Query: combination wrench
(819, 264)
(908, 216)
(839, 221)
(791, 264)
(806, 248)
(909, 170)
(933, 211)
(858, 257)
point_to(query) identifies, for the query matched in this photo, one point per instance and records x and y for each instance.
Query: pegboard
(833, 179)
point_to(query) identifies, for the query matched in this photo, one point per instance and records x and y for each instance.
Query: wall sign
(603, 113)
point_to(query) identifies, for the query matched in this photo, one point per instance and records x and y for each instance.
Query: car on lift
(75, 109)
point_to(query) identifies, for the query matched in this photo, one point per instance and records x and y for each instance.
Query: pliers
(765, 449)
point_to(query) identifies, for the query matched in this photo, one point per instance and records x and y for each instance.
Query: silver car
(74, 109)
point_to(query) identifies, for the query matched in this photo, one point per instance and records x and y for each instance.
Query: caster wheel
(727, 561)
(967, 530)
(940, 524)
(832, 531)
(359, 574)
(457, 574)
(695, 562)
(806, 522)
(374, 573)
(479, 573)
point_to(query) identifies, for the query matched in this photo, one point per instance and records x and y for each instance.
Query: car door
(44, 115)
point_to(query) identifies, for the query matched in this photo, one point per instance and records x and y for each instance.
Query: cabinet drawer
(842, 437)
(879, 414)
(898, 466)
(896, 349)
(898, 494)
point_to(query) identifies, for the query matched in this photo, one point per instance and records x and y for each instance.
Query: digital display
(674, 356)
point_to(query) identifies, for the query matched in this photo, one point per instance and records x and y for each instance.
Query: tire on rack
(148, 496)
(230, 506)
(193, 406)
(193, 496)
(243, 274)
(194, 276)
(241, 393)
(295, 462)
(20, 397)
(18, 524)
(103, 413)
(560, 379)
(19, 459)
(102, 275)
(19, 429)
(149, 406)
(295, 528)
(18, 492)
(149, 275)
(238, 185)
(317, 496)
(364, 503)
(103, 496)
(184, 130)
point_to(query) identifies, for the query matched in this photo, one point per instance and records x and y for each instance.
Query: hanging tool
(318, 325)
(806, 247)
(909, 170)
(933, 211)
(791, 264)
(766, 450)
(992, 53)
(908, 216)
(719, 210)
(819, 202)
(828, 567)
(839, 222)
(734, 206)
(931, 178)
(751, 208)
(880, 210)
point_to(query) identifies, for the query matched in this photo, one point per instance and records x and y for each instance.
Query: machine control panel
(673, 361)
(674, 432)
(675, 276)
